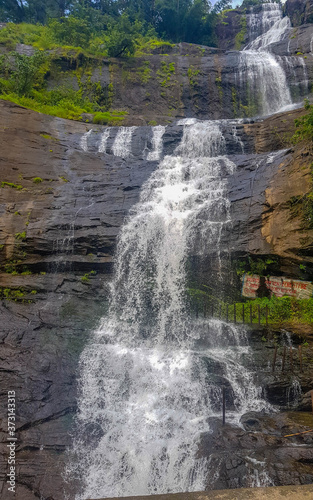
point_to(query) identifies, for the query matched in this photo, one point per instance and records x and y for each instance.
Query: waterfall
(277, 32)
(260, 22)
(261, 75)
(103, 142)
(146, 388)
(122, 143)
(157, 144)
(84, 141)
(264, 80)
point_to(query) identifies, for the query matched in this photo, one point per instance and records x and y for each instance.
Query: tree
(71, 31)
(121, 37)
(26, 72)
(13, 10)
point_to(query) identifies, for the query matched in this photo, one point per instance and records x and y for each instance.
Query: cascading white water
(277, 32)
(265, 80)
(122, 143)
(103, 142)
(146, 390)
(260, 22)
(84, 140)
(157, 144)
(260, 73)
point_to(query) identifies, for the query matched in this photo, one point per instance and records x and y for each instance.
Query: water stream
(146, 387)
(261, 74)
(152, 373)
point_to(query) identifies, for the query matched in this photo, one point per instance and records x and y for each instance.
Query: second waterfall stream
(146, 391)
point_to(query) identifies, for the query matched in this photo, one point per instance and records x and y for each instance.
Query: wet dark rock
(71, 219)
(259, 451)
(299, 11)
(306, 403)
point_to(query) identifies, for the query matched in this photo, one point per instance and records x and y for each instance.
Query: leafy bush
(107, 117)
(70, 31)
(304, 125)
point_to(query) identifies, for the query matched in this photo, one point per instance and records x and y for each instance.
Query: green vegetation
(48, 137)
(37, 180)
(106, 117)
(12, 294)
(17, 294)
(240, 37)
(154, 46)
(280, 310)
(78, 35)
(11, 185)
(262, 266)
(192, 75)
(86, 278)
(165, 74)
(284, 309)
(304, 126)
(302, 206)
(20, 236)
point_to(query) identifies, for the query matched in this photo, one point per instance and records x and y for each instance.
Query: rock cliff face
(191, 81)
(62, 203)
(299, 12)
